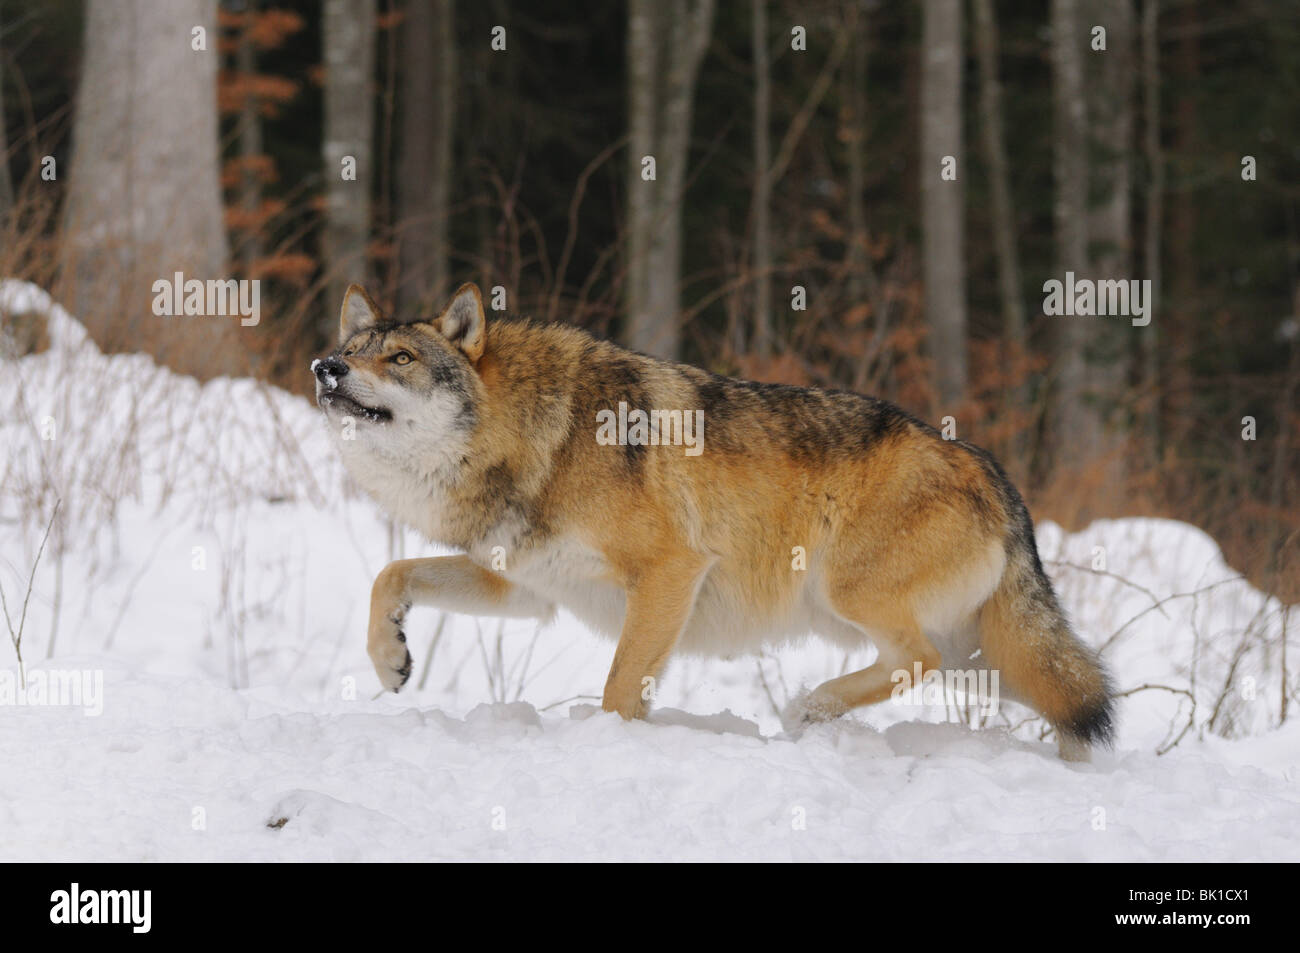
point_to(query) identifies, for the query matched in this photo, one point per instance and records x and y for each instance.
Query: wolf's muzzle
(330, 370)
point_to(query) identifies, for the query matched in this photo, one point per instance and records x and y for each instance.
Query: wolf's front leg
(452, 583)
(659, 603)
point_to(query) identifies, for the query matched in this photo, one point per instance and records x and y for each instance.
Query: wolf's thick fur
(482, 435)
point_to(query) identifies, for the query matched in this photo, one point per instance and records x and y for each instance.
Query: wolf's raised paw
(393, 663)
(395, 678)
(405, 670)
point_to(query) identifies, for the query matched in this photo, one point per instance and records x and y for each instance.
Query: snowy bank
(212, 564)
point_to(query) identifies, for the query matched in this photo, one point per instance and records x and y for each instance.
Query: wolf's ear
(359, 312)
(462, 322)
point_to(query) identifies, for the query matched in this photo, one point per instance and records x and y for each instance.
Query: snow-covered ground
(208, 575)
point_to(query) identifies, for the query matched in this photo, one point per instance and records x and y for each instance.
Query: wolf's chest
(567, 573)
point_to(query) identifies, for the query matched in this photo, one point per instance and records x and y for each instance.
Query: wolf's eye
(402, 357)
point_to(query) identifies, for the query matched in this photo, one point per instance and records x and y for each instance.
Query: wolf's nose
(330, 370)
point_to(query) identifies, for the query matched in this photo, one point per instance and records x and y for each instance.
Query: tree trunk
(1183, 311)
(349, 38)
(762, 340)
(250, 146)
(855, 138)
(428, 124)
(642, 61)
(864, 283)
(1075, 424)
(1154, 218)
(1004, 220)
(144, 193)
(6, 182)
(666, 42)
(1111, 89)
(942, 221)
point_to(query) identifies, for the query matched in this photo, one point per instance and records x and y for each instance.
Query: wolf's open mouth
(349, 406)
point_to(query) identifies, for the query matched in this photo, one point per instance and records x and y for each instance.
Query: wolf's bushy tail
(1026, 636)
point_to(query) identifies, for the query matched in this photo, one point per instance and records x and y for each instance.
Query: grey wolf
(483, 436)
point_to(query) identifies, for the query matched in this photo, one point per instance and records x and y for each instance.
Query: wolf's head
(407, 390)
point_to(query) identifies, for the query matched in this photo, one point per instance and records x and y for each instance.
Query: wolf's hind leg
(900, 644)
(453, 583)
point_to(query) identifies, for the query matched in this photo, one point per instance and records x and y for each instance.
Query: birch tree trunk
(349, 39)
(428, 126)
(666, 43)
(144, 193)
(942, 213)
